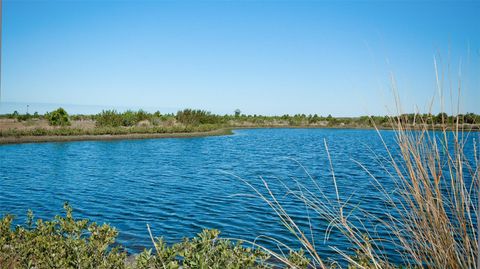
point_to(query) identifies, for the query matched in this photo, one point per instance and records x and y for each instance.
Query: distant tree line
(58, 117)
(195, 117)
(22, 117)
(440, 118)
(113, 118)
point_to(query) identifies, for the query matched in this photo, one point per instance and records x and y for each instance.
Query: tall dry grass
(437, 207)
(431, 216)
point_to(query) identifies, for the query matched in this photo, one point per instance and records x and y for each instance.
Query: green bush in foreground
(65, 242)
(206, 250)
(60, 243)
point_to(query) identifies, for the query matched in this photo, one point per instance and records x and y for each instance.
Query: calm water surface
(180, 186)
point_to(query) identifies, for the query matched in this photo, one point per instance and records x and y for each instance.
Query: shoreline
(76, 138)
(11, 140)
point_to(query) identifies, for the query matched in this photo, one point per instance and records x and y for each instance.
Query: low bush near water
(60, 243)
(66, 242)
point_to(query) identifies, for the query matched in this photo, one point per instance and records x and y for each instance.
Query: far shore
(135, 136)
(58, 126)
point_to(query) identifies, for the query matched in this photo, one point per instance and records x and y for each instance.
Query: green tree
(441, 118)
(470, 118)
(58, 117)
(14, 115)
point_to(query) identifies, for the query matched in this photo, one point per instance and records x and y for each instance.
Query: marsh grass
(108, 130)
(430, 216)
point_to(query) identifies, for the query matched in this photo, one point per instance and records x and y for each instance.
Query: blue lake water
(179, 186)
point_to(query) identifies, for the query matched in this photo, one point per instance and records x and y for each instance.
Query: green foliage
(60, 243)
(206, 250)
(65, 242)
(142, 115)
(441, 118)
(58, 117)
(108, 131)
(24, 117)
(196, 117)
(128, 118)
(21, 117)
(361, 259)
(80, 117)
(112, 118)
(298, 259)
(109, 118)
(471, 118)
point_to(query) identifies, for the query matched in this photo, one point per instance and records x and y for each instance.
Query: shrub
(24, 117)
(68, 243)
(141, 116)
(58, 117)
(129, 118)
(21, 117)
(109, 118)
(206, 250)
(60, 243)
(14, 115)
(196, 117)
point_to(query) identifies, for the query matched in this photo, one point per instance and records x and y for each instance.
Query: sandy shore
(44, 139)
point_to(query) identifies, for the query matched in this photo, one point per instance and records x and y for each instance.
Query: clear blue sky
(263, 57)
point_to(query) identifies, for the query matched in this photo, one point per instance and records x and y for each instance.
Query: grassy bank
(69, 134)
